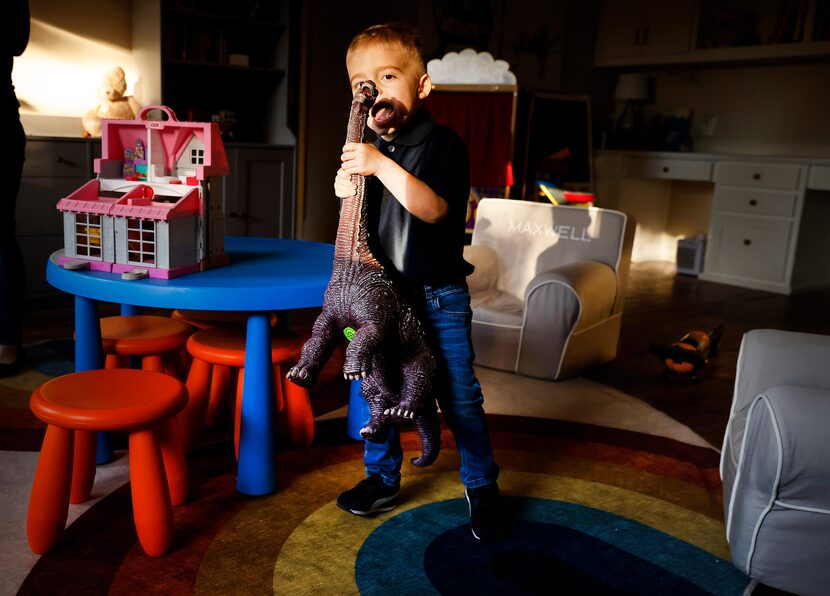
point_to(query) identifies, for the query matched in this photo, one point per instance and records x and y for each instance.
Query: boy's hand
(343, 185)
(361, 158)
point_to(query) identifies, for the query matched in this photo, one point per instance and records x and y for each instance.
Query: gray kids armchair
(547, 292)
(775, 463)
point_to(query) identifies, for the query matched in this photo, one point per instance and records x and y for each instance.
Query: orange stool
(77, 405)
(223, 349)
(159, 341)
(205, 319)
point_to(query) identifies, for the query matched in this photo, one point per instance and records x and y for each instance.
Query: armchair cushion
(487, 268)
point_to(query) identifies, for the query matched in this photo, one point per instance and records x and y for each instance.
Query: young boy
(417, 186)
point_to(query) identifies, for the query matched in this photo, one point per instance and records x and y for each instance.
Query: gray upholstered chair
(548, 289)
(775, 462)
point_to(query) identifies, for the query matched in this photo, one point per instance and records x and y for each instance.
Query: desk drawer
(56, 158)
(819, 178)
(668, 169)
(758, 175)
(755, 202)
(753, 247)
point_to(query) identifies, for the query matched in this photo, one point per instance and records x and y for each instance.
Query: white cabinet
(630, 31)
(754, 225)
(765, 218)
(668, 169)
(748, 248)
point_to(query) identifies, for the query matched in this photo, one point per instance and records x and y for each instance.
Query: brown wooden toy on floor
(688, 356)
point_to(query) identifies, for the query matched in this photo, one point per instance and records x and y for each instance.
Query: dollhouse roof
(136, 203)
(173, 136)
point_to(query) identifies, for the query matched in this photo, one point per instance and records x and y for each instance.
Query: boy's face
(401, 91)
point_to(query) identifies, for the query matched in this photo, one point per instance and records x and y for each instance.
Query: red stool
(78, 405)
(159, 341)
(223, 348)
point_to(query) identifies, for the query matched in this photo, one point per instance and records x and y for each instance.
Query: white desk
(767, 219)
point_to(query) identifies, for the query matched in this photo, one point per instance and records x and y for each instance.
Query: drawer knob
(756, 176)
(666, 169)
(752, 202)
(747, 242)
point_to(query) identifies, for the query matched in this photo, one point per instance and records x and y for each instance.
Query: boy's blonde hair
(396, 35)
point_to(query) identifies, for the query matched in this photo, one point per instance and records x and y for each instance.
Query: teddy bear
(113, 103)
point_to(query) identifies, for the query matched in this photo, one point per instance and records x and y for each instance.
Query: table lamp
(632, 89)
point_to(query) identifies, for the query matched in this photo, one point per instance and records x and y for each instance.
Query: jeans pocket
(454, 303)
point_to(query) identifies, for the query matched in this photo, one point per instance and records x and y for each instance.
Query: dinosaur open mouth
(383, 112)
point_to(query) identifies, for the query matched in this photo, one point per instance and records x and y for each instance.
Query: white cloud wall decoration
(469, 67)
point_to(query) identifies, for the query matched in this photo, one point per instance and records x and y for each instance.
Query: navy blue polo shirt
(423, 253)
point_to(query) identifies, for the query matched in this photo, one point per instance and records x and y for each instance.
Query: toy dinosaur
(388, 348)
(689, 355)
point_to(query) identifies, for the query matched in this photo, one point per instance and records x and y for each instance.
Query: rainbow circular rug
(588, 510)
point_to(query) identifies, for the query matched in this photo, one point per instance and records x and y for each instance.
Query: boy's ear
(424, 86)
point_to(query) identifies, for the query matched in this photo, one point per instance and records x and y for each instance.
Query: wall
(761, 110)
(72, 44)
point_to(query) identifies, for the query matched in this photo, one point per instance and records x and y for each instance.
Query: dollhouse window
(88, 235)
(141, 242)
(197, 157)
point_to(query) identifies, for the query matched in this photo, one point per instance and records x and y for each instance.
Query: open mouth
(382, 113)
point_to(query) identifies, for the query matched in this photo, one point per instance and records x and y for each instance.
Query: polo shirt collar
(416, 129)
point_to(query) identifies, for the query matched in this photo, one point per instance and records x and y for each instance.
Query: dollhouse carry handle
(171, 115)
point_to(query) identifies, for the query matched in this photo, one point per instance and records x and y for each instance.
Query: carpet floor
(589, 509)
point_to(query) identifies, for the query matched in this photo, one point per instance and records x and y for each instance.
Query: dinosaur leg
(416, 387)
(316, 351)
(359, 353)
(373, 391)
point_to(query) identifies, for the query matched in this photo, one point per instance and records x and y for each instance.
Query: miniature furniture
(263, 275)
(775, 462)
(158, 341)
(74, 407)
(224, 347)
(548, 289)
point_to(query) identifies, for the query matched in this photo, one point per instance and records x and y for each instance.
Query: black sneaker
(371, 495)
(485, 515)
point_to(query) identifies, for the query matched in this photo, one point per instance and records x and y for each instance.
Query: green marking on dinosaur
(349, 333)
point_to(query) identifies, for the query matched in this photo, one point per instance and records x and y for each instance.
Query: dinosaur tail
(429, 430)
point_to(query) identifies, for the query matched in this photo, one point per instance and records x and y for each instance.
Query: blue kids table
(264, 274)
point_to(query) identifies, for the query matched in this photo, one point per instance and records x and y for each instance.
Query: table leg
(129, 310)
(88, 356)
(256, 473)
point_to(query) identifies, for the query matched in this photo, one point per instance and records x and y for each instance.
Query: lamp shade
(631, 86)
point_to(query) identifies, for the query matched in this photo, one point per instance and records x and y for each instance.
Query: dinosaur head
(365, 93)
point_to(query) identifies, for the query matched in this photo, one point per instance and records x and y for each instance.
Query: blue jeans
(446, 316)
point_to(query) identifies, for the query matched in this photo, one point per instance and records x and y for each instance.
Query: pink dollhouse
(153, 206)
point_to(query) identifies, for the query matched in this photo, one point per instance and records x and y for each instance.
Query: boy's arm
(413, 194)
